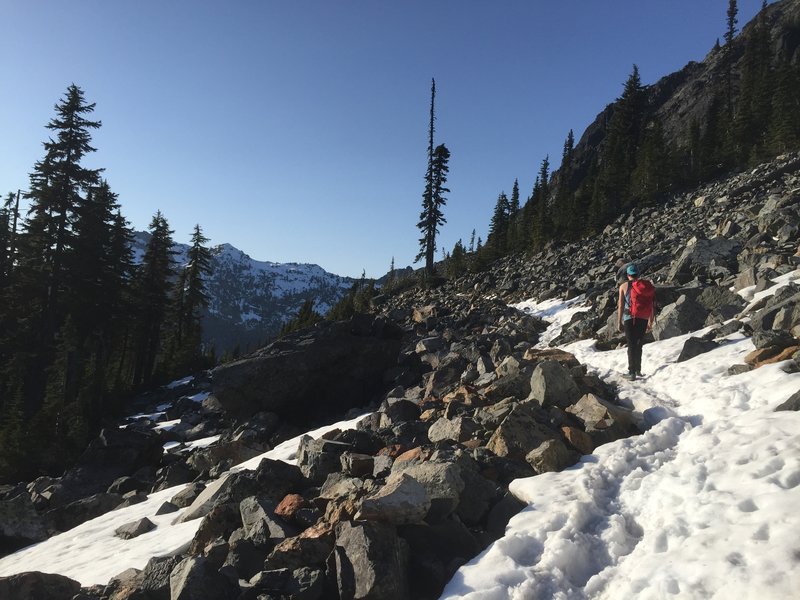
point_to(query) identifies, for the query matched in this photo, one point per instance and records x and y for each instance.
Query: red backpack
(642, 298)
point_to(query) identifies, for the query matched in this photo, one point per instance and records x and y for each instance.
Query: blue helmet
(632, 270)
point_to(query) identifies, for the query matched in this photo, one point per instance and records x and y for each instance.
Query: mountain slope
(250, 300)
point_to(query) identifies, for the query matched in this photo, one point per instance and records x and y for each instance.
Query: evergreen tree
(306, 317)
(457, 264)
(36, 296)
(472, 242)
(515, 230)
(498, 227)
(191, 299)
(730, 32)
(433, 198)
(100, 268)
(755, 97)
(6, 248)
(563, 201)
(611, 191)
(432, 215)
(57, 184)
(783, 132)
(653, 175)
(151, 292)
(543, 229)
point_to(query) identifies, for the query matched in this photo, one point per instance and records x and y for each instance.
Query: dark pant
(634, 333)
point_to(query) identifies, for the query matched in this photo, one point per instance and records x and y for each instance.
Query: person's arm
(621, 304)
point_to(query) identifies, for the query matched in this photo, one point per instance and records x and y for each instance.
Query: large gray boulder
(678, 318)
(401, 500)
(323, 371)
(195, 578)
(20, 524)
(370, 562)
(700, 254)
(551, 455)
(519, 433)
(552, 385)
(696, 346)
(442, 482)
(260, 523)
(34, 585)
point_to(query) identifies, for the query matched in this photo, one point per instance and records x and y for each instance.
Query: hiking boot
(631, 376)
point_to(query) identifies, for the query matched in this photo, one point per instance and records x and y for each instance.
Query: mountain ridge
(249, 299)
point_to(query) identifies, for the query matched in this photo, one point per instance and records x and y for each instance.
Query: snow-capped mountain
(249, 299)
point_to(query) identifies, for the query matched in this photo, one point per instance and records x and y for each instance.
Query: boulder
(188, 494)
(720, 298)
(580, 440)
(324, 371)
(312, 548)
(552, 385)
(370, 562)
(34, 585)
(700, 254)
(134, 529)
(551, 455)
(401, 500)
(20, 524)
(319, 458)
(695, 346)
(458, 429)
(303, 583)
(260, 523)
(519, 433)
(442, 482)
(217, 525)
(234, 452)
(435, 552)
(194, 578)
(792, 403)
(603, 421)
(155, 577)
(681, 317)
(477, 498)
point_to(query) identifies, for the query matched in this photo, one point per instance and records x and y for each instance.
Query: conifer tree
(305, 317)
(432, 215)
(515, 231)
(498, 227)
(755, 97)
(563, 203)
(191, 299)
(783, 133)
(611, 192)
(732, 14)
(472, 242)
(653, 175)
(151, 292)
(57, 184)
(543, 229)
(433, 198)
(457, 263)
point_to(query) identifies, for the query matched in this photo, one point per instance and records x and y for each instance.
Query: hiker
(635, 313)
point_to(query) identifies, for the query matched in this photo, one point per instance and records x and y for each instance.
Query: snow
(91, 554)
(703, 504)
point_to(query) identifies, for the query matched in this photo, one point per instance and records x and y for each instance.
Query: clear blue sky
(297, 130)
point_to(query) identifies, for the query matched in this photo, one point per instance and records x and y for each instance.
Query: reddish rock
(290, 505)
(580, 440)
